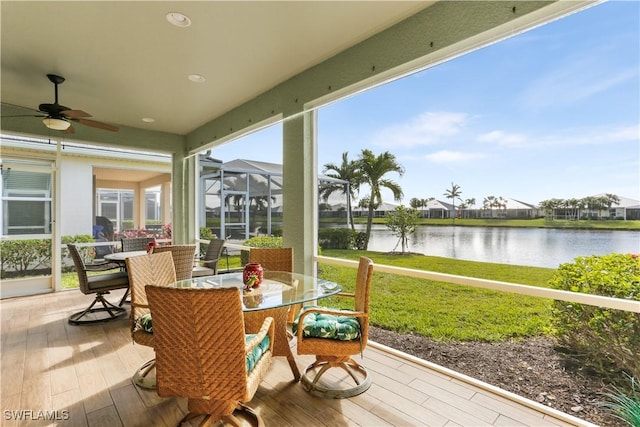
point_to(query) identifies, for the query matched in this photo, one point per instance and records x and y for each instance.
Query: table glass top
(121, 256)
(276, 290)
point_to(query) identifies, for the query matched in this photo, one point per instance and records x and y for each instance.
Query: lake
(539, 247)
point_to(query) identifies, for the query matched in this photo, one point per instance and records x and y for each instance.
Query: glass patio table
(120, 257)
(273, 298)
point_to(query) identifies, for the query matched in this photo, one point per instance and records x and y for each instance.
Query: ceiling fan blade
(69, 130)
(24, 115)
(98, 125)
(75, 114)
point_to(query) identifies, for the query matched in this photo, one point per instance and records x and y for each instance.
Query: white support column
(183, 207)
(165, 203)
(299, 181)
(139, 207)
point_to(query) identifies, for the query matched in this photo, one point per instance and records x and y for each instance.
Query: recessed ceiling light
(148, 120)
(197, 78)
(178, 19)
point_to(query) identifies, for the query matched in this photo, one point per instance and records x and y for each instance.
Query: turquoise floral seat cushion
(254, 355)
(145, 323)
(320, 325)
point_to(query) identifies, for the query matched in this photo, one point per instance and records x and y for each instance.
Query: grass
(448, 312)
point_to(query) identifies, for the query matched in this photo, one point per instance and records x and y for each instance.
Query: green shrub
(604, 339)
(205, 234)
(361, 240)
(337, 238)
(20, 256)
(87, 253)
(259, 242)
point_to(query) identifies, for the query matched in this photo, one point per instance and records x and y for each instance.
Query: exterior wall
(75, 169)
(76, 196)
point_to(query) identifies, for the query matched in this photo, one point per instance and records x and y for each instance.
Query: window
(26, 201)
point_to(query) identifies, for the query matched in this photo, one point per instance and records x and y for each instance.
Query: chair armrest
(210, 261)
(266, 329)
(345, 294)
(101, 266)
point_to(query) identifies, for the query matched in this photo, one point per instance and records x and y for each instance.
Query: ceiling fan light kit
(59, 117)
(56, 124)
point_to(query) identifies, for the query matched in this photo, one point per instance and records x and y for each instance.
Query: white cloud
(578, 80)
(565, 137)
(426, 129)
(591, 136)
(447, 156)
(503, 138)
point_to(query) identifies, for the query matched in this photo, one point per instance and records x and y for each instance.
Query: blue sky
(551, 113)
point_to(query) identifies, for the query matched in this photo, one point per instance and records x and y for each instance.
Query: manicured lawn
(446, 311)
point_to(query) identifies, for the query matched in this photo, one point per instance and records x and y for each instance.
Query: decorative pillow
(144, 322)
(320, 325)
(254, 355)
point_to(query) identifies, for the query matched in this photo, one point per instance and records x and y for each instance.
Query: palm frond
(625, 405)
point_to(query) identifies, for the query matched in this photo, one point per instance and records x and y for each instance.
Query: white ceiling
(123, 61)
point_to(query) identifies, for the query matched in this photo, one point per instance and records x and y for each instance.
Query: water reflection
(539, 247)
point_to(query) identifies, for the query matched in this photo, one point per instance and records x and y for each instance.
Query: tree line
(372, 170)
(576, 208)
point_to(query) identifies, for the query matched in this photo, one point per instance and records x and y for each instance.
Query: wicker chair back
(135, 243)
(274, 259)
(155, 269)
(183, 258)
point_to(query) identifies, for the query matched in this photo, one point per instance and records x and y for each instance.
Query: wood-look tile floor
(81, 375)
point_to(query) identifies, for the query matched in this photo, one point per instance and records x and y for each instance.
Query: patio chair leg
(124, 298)
(113, 310)
(142, 378)
(356, 371)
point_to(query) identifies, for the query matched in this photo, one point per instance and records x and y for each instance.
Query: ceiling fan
(59, 117)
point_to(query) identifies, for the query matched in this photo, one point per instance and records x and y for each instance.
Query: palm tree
(415, 203)
(425, 204)
(610, 200)
(373, 169)
(467, 204)
(501, 203)
(453, 193)
(574, 205)
(488, 203)
(348, 171)
(551, 207)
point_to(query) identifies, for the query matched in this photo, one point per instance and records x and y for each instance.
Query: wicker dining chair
(203, 352)
(130, 244)
(276, 259)
(154, 269)
(333, 336)
(99, 284)
(211, 259)
(183, 258)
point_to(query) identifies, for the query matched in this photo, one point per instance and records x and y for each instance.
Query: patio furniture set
(214, 338)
